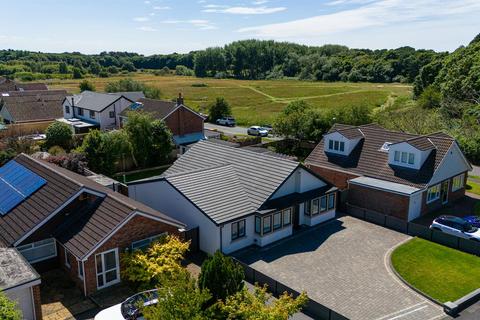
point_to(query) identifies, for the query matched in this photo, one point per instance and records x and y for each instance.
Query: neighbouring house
(89, 109)
(389, 172)
(31, 106)
(237, 197)
(7, 85)
(186, 125)
(57, 218)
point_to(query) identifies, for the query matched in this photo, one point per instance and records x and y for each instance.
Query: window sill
(274, 231)
(238, 239)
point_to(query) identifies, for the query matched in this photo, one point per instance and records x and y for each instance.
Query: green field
(255, 102)
(443, 273)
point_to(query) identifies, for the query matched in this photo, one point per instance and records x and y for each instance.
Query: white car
(457, 227)
(257, 131)
(226, 121)
(130, 309)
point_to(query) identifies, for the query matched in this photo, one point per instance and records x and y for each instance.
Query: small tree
(219, 109)
(77, 73)
(86, 85)
(159, 263)
(59, 134)
(430, 98)
(221, 276)
(140, 132)
(247, 305)
(92, 148)
(8, 309)
(62, 68)
(162, 141)
(292, 122)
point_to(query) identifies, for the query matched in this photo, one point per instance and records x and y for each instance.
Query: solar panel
(16, 184)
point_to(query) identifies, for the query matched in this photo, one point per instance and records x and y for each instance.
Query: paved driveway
(344, 265)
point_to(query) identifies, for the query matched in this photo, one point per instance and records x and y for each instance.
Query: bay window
(331, 201)
(319, 205)
(267, 224)
(277, 221)
(287, 217)
(273, 222)
(258, 225)
(433, 193)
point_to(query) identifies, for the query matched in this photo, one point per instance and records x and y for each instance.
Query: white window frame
(412, 157)
(396, 156)
(104, 272)
(36, 245)
(67, 109)
(460, 180)
(91, 114)
(67, 258)
(287, 212)
(80, 267)
(237, 225)
(150, 239)
(402, 157)
(436, 194)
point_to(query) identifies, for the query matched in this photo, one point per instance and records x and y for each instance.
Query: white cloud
(146, 28)
(146, 2)
(377, 14)
(259, 2)
(162, 8)
(245, 10)
(198, 23)
(141, 19)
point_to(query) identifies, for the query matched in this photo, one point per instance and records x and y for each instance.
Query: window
(457, 182)
(267, 224)
(342, 146)
(92, 114)
(330, 144)
(287, 217)
(39, 251)
(307, 208)
(145, 243)
(315, 206)
(404, 157)
(111, 114)
(433, 193)
(238, 229)
(67, 109)
(258, 225)
(411, 158)
(80, 111)
(108, 270)
(67, 258)
(80, 269)
(336, 145)
(397, 156)
(331, 201)
(323, 203)
(277, 220)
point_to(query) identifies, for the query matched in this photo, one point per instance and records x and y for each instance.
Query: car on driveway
(457, 227)
(257, 131)
(226, 121)
(267, 127)
(473, 220)
(130, 309)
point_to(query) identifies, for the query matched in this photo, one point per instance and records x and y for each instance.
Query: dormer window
(404, 157)
(336, 145)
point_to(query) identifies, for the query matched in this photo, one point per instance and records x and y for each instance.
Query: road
(475, 171)
(232, 131)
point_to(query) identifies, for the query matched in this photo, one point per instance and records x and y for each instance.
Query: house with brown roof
(7, 85)
(31, 106)
(390, 172)
(58, 219)
(186, 125)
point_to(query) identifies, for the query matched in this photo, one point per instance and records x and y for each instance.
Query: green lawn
(473, 187)
(141, 175)
(259, 101)
(443, 273)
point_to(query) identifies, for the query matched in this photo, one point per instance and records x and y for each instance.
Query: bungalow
(31, 106)
(98, 109)
(389, 172)
(7, 85)
(57, 218)
(238, 197)
(186, 125)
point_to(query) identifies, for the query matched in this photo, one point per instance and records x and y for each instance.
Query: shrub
(59, 134)
(86, 85)
(430, 98)
(56, 151)
(75, 162)
(8, 309)
(219, 109)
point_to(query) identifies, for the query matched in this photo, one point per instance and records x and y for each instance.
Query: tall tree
(220, 108)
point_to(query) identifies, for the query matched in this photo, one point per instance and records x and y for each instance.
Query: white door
(108, 268)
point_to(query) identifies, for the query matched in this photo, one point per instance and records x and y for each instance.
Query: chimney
(179, 99)
(73, 104)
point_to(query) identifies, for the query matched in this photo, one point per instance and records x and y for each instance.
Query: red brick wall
(387, 203)
(73, 270)
(337, 178)
(452, 197)
(182, 122)
(136, 229)
(37, 302)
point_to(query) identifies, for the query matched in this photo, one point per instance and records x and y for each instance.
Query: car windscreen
(130, 308)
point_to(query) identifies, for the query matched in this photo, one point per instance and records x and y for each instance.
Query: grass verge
(473, 187)
(141, 174)
(443, 273)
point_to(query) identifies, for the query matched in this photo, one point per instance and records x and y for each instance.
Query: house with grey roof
(389, 172)
(56, 218)
(101, 110)
(238, 197)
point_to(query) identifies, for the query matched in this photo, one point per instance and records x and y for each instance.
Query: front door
(108, 269)
(444, 191)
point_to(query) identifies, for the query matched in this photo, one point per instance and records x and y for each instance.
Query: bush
(59, 134)
(430, 98)
(77, 73)
(86, 85)
(75, 162)
(8, 309)
(219, 109)
(56, 151)
(184, 71)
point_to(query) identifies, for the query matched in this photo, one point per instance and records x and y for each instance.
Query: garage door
(23, 297)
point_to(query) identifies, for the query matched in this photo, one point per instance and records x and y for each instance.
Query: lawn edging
(453, 308)
(392, 268)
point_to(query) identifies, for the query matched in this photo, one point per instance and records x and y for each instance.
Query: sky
(167, 26)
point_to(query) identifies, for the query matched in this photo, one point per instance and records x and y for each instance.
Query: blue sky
(165, 26)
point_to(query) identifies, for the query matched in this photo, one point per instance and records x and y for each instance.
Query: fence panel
(356, 212)
(445, 239)
(375, 217)
(417, 230)
(396, 224)
(469, 246)
(193, 236)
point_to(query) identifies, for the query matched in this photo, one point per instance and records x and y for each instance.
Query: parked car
(226, 121)
(129, 309)
(257, 131)
(456, 226)
(473, 220)
(267, 127)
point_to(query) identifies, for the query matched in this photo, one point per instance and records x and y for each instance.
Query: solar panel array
(16, 184)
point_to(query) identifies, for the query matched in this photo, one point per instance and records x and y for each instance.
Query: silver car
(257, 131)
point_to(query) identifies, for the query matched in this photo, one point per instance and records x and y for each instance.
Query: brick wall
(72, 271)
(182, 122)
(136, 229)
(452, 197)
(337, 178)
(387, 203)
(37, 301)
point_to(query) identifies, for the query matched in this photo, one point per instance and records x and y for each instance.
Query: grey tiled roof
(130, 95)
(97, 101)
(159, 109)
(228, 182)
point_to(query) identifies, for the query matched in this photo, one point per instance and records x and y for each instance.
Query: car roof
(452, 218)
